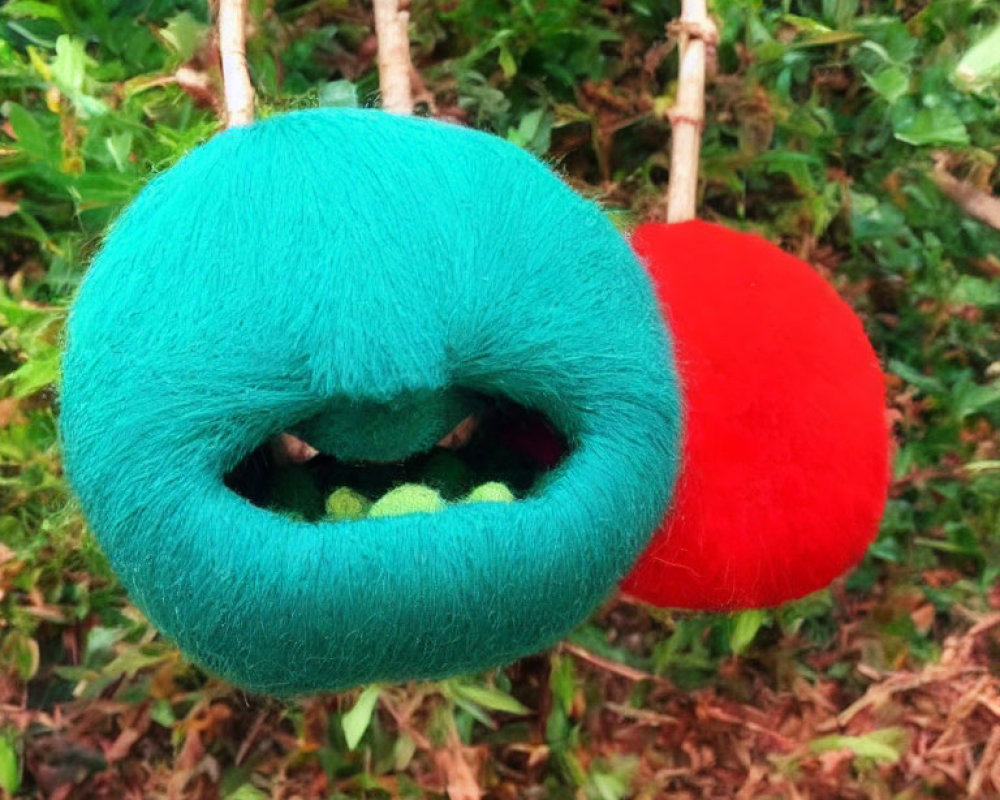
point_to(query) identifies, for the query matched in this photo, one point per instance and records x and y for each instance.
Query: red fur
(785, 466)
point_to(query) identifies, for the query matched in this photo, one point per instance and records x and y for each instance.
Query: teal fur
(361, 278)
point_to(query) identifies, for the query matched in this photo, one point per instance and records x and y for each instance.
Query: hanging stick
(696, 33)
(392, 29)
(239, 98)
(235, 76)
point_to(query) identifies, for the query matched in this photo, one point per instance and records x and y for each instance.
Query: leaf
(887, 549)
(69, 69)
(980, 66)
(248, 792)
(745, 629)
(890, 84)
(612, 781)
(507, 63)
(889, 37)
(884, 746)
(88, 106)
(10, 773)
(816, 33)
(872, 220)
(138, 658)
(21, 652)
(478, 714)
(490, 698)
(983, 466)
(101, 641)
(120, 147)
(339, 94)
(973, 398)
(562, 681)
(841, 12)
(32, 9)
(69, 72)
(932, 126)
(607, 786)
(830, 38)
(31, 139)
(970, 290)
(34, 375)
(805, 24)
(923, 382)
(534, 132)
(403, 751)
(162, 712)
(799, 167)
(183, 33)
(356, 721)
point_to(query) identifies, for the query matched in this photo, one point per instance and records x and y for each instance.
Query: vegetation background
(826, 122)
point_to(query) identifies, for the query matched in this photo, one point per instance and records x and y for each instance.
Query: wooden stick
(696, 33)
(392, 29)
(235, 76)
(974, 202)
(613, 667)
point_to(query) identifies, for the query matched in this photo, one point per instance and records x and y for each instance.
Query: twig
(986, 766)
(697, 33)
(614, 667)
(641, 715)
(974, 202)
(392, 29)
(235, 76)
(251, 737)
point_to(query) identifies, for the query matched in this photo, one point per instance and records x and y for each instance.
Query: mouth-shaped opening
(501, 454)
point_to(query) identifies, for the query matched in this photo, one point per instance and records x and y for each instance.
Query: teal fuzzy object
(360, 278)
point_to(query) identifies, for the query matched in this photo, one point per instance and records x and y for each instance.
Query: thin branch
(392, 29)
(974, 202)
(696, 33)
(235, 76)
(614, 667)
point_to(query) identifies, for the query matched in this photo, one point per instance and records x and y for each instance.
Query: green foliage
(881, 746)
(357, 720)
(10, 772)
(92, 110)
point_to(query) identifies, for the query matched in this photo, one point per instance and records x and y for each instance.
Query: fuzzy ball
(785, 459)
(361, 278)
(345, 503)
(410, 498)
(492, 492)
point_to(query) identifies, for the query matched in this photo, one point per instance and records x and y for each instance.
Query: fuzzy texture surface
(785, 458)
(345, 503)
(492, 492)
(409, 498)
(359, 278)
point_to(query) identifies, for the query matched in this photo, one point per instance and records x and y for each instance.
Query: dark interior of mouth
(510, 444)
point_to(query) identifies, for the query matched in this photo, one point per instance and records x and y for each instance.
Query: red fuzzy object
(785, 465)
